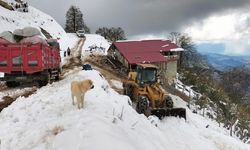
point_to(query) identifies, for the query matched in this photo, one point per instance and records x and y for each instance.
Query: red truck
(27, 62)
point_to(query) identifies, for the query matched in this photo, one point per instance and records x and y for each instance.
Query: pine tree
(74, 20)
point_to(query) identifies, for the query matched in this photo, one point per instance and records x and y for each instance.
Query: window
(32, 63)
(17, 61)
(3, 63)
(149, 75)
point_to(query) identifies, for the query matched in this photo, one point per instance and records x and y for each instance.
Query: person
(64, 54)
(68, 51)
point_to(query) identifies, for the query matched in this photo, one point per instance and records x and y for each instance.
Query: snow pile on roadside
(96, 44)
(14, 91)
(48, 120)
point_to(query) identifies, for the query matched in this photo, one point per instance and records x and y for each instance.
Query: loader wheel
(142, 106)
(169, 102)
(128, 90)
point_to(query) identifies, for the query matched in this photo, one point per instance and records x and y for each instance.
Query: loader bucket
(176, 112)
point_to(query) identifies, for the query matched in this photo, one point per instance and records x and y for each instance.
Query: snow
(117, 84)
(1, 74)
(96, 44)
(12, 20)
(48, 120)
(14, 91)
(187, 90)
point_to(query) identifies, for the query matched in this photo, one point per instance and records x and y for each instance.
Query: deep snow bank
(47, 120)
(95, 44)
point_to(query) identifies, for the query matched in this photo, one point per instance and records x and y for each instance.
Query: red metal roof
(146, 51)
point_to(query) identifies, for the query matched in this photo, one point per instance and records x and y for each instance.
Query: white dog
(78, 90)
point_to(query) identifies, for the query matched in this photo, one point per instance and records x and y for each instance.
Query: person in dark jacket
(68, 51)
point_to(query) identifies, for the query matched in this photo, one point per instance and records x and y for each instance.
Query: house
(162, 53)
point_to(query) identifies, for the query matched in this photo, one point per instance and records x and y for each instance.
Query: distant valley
(222, 62)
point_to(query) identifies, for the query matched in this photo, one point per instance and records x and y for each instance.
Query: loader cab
(146, 74)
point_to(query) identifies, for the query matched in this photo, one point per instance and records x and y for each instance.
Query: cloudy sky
(206, 21)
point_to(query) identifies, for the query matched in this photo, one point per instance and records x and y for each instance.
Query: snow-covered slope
(47, 120)
(96, 44)
(11, 20)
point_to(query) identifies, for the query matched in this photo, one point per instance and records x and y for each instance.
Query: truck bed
(28, 58)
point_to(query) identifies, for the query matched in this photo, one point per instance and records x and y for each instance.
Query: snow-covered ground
(14, 91)
(48, 120)
(96, 44)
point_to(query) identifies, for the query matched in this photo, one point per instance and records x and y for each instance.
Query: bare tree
(190, 57)
(112, 34)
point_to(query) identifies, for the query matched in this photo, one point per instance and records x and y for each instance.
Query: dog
(78, 90)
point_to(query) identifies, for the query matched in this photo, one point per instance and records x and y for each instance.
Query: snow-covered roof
(177, 49)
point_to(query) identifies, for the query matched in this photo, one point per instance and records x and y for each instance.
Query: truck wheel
(41, 83)
(57, 77)
(47, 79)
(169, 102)
(142, 106)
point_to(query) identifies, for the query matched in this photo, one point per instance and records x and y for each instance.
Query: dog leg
(82, 100)
(79, 102)
(72, 96)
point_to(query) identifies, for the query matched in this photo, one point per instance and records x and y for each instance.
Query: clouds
(231, 29)
(216, 21)
(138, 17)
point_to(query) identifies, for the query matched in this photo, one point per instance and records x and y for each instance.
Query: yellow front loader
(148, 95)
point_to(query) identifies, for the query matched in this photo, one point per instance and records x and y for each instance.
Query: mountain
(222, 62)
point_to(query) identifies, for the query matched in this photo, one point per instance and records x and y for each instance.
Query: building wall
(167, 71)
(115, 54)
(171, 71)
